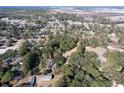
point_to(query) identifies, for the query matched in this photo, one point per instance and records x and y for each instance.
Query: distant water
(57, 7)
(93, 8)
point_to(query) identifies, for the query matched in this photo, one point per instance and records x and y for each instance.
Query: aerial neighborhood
(61, 48)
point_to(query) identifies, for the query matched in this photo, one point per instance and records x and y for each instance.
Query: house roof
(5, 85)
(46, 77)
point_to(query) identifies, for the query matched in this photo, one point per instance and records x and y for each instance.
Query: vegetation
(30, 61)
(60, 60)
(49, 36)
(83, 71)
(9, 54)
(63, 42)
(24, 48)
(7, 76)
(1, 74)
(114, 65)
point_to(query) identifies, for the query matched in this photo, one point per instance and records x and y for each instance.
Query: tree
(1, 74)
(8, 76)
(60, 60)
(36, 50)
(30, 60)
(24, 48)
(63, 42)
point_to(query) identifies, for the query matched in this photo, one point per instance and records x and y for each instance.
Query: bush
(1, 74)
(60, 60)
(7, 77)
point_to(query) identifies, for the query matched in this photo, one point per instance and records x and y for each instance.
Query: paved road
(14, 47)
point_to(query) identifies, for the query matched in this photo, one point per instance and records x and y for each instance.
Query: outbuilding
(47, 77)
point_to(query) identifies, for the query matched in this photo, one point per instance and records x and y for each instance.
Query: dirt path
(67, 54)
(48, 83)
(39, 81)
(19, 43)
(112, 48)
(14, 47)
(99, 51)
(114, 84)
(25, 80)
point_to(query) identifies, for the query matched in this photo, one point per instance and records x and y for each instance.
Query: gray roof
(5, 85)
(47, 77)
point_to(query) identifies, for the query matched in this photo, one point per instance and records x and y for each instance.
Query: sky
(61, 2)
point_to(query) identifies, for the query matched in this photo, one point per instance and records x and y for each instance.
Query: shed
(47, 77)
